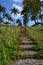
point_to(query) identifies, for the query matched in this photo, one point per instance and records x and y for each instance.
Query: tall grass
(9, 44)
(36, 34)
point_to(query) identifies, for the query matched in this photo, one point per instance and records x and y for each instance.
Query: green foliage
(14, 10)
(9, 39)
(30, 8)
(1, 20)
(35, 33)
(8, 17)
(2, 9)
(19, 22)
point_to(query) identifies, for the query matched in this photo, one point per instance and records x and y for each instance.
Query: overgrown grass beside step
(9, 44)
(36, 34)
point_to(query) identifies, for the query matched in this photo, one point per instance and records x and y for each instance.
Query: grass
(36, 34)
(9, 44)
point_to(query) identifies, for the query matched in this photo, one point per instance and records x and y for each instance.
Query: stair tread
(25, 38)
(24, 41)
(28, 62)
(26, 57)
(27, 52)
(26, 46)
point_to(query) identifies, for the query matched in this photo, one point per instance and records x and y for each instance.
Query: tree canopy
(31, 8)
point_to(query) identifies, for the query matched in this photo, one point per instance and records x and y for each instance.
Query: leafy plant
(8, 44)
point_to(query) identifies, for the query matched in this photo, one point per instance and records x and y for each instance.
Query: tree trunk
(41, 21)
(35, 21)
(25, 24)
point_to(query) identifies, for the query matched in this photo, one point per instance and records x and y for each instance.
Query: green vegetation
(9, 35)
(36, 34)
(9, 40)
(32, 10)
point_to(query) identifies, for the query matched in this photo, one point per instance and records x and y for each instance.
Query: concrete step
(27, 52)
(19, 56)
(25, 38)
(26, 46)
(26, 43)
(27, 49)
(28, 62)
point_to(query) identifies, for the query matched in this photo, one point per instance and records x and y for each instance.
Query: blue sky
(8, 4)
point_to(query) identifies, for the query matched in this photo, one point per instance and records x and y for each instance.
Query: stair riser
(27, 44)
(27, 57)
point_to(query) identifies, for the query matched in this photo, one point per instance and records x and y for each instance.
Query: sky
(9, 4)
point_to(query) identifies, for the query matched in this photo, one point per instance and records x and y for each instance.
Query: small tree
(40, 14)
(1, 20)
(19, 22)
(8, 17)
(15, 11)
(41, 17)
(30, 8)
(25, 19)
(34, 18)
(2, 11)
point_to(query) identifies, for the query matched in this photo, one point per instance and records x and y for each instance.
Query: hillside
(36, 34)
(10, 40)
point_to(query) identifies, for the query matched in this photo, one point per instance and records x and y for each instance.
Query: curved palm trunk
(35, 21)
(25, 25)
(41, 21)
(41, 17)
(0, 15)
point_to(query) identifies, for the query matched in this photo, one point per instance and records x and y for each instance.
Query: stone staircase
(26, 46)
(26, 54)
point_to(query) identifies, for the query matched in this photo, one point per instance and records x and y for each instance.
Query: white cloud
(17, 0)
(17, 16)
(17, 4)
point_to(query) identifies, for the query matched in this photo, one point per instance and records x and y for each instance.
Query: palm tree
(32, 8)
(25, 19)
(35, 10)
(19, 22)
(14, 10)
(8, 17)
(40, 13)
(1, 20)
(25, 12)
(41, 17)
(34, 18)
(2, 10)
(42, 4)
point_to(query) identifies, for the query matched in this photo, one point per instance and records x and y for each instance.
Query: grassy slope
(36, 34)
(9, 39)
(9, 42)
